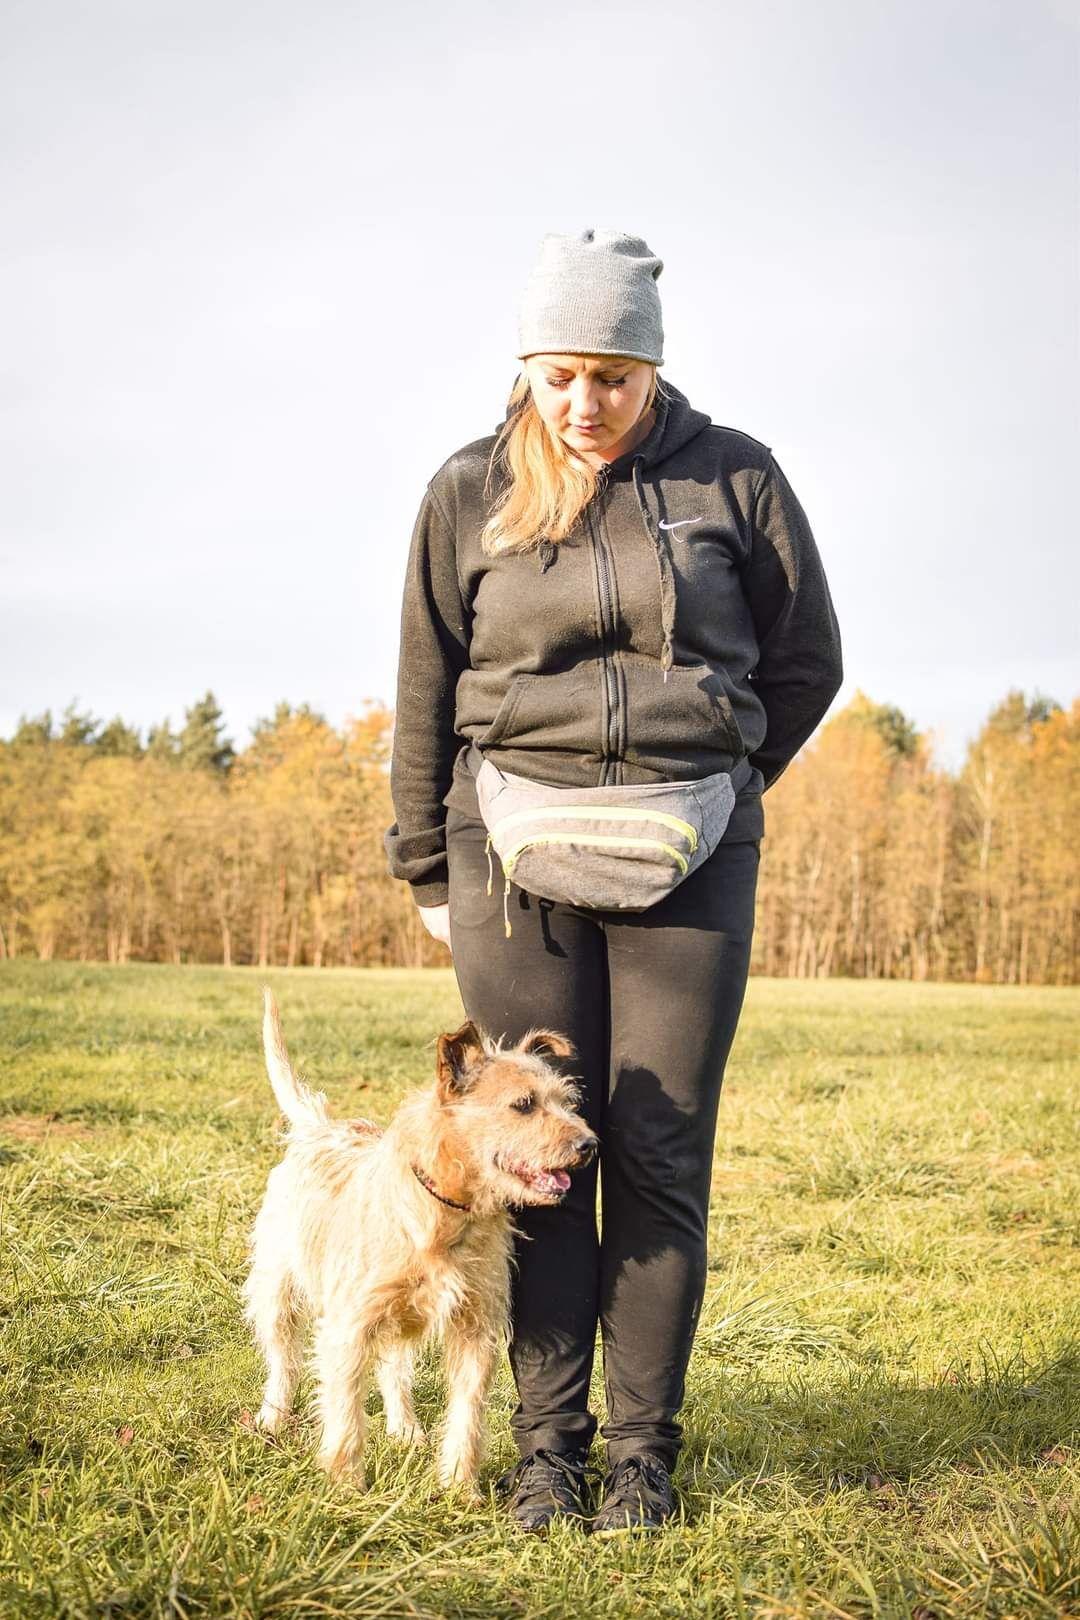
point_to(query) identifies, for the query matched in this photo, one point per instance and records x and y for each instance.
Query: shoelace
(625, 1475)
(545, 1469)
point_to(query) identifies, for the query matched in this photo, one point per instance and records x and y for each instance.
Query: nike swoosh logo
(681, 523)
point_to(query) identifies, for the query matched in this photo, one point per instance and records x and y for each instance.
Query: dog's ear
(456, 1055)
(548, 1043)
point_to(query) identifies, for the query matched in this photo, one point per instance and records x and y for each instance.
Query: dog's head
(513, 1114)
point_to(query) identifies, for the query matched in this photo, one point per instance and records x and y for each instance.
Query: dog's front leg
(470, 1361)
(394, 1375)
(345, 1349)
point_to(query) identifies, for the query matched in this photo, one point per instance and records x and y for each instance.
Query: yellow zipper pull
(506, 908)
(487, 849)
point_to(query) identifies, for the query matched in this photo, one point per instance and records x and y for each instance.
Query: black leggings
(650, 1000)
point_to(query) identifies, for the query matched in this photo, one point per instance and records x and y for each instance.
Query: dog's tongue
(551, 1180)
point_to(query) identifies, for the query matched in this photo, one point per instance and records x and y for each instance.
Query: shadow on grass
(869, 1428)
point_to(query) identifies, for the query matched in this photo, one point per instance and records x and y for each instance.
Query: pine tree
(34, 730)
(163, 743)
(202, 745)
(1015, 716)
(899, 734)
(118, 741)
(78, 730)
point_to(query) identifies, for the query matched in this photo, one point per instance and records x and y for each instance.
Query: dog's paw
(465, 1491)
(408, 1434)
(456, 1475)
(270, 1419)
(345, 1471)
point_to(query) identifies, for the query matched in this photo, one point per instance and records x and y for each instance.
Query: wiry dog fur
(349, 1235)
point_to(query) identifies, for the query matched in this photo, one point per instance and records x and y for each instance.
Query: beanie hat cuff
(566, 346)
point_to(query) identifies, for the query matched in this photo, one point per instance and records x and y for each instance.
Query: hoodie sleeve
(799, 669)
(434, 649)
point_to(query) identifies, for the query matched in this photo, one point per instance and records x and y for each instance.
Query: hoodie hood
(677, 422)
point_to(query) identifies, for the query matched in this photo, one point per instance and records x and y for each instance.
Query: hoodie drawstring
(663, 567)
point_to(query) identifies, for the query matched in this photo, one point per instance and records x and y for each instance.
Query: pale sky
(261, 266)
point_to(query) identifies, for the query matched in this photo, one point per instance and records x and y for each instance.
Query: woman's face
(592, 402)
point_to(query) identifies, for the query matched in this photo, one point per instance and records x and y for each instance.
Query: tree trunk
(982, 927)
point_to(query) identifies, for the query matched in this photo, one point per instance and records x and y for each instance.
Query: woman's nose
(582, 405)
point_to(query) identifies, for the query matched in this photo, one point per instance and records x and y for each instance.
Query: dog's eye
(523, 1105)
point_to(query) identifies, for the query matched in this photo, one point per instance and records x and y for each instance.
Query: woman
(610, 590)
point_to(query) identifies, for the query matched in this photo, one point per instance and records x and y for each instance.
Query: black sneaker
(545, 1486)
(637, 1496)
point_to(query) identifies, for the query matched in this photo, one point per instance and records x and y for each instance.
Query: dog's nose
(585, 1147)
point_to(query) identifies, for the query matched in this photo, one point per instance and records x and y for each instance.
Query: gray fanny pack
(605, 848)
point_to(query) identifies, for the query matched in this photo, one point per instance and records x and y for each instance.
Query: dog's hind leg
(470, 1362)
(274, 1311)
(394, 1375)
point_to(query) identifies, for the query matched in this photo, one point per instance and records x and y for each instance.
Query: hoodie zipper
(609, 743)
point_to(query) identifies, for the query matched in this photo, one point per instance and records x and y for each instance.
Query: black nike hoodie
(684, 623)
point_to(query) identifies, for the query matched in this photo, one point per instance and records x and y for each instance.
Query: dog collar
(428, 1185)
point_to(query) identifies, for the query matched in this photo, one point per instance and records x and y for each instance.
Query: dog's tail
(302, 1107)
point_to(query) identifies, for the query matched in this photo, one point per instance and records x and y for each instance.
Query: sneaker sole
(545, 1529)
(629, 1529)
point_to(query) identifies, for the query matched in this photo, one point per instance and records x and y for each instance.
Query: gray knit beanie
(594, 293)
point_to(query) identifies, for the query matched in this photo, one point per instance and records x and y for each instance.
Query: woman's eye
(561, 382)
(524, 1105)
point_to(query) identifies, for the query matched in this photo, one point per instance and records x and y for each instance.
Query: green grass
(883, 1404)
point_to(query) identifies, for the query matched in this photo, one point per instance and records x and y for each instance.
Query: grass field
(884, 1401)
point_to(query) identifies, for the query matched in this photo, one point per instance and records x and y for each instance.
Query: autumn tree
(876, 862)
(1005, 805)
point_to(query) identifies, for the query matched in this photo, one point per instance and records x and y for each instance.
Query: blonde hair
(547, 486)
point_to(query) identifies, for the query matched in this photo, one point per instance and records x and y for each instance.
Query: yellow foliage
(875, 863)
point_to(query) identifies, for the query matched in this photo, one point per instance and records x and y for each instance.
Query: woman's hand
(436, 919)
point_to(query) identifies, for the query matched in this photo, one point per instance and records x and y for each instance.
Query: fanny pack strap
(740, 772)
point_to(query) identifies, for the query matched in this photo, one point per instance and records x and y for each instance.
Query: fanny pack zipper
(599, 812)
(621, 840)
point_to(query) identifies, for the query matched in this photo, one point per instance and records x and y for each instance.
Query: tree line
(876, 862)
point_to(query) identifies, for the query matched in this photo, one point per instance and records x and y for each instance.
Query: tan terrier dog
(390, 1238)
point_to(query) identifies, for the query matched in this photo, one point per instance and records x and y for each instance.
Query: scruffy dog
(390, 1238)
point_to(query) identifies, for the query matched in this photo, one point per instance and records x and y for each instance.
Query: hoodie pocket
(559, 712)
(504, 714)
